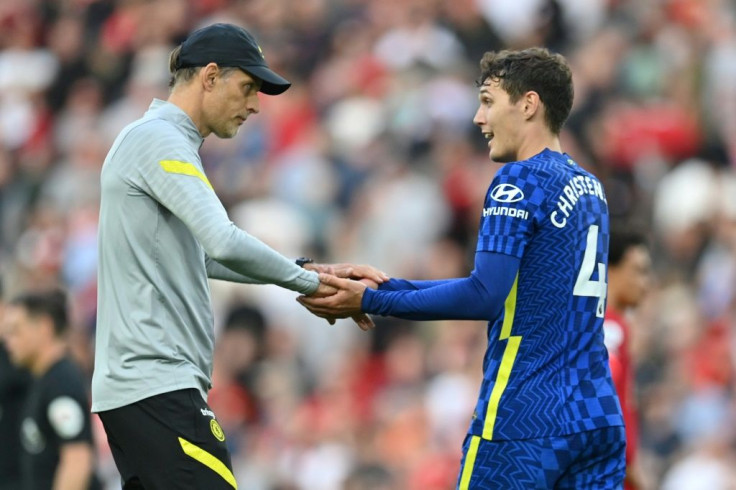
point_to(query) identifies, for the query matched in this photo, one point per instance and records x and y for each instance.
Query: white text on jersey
(580, 185)
(503, 211)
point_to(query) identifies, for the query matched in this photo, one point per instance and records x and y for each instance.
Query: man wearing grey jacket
(162, 233)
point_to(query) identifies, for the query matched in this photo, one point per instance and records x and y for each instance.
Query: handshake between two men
(340, 291)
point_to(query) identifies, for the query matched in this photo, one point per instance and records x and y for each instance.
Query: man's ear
(208, 76)
(530, 104)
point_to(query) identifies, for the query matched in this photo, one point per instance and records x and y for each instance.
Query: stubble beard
(227, 131)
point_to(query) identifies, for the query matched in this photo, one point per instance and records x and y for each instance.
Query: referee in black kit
(57, 450)
(14, 382)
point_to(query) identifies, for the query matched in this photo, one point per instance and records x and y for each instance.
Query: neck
(536, 142)
(189, 102)
(48, 357)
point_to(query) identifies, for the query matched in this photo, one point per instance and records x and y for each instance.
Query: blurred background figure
(629, 269)
(353, 164)
(14, 383)
(55, 428)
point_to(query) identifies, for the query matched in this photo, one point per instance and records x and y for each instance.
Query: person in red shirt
(629, 266)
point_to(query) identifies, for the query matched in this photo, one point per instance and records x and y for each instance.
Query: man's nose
(253, 104)
(478, 119)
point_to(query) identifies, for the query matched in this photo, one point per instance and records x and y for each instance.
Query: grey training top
(162, 233)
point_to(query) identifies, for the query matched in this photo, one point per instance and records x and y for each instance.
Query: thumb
(330, 280)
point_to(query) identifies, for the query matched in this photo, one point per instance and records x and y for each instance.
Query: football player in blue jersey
(547, 414)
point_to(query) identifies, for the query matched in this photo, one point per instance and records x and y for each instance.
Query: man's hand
(351, 271)
(363, 321)
(325, 290)
(343, 303)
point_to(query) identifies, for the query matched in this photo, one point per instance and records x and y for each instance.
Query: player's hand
(345, 302)
(323, 290)
(362, 320)
(351, 271)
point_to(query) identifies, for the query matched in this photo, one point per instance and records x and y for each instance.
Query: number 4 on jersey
(584, 285)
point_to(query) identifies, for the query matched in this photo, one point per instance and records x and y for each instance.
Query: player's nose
(478, 119)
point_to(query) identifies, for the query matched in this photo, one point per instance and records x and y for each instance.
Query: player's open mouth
(488, 136)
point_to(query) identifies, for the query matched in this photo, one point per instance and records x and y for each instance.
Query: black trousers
(170, 441)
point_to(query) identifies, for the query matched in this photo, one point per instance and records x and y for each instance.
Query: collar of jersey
(170, 112)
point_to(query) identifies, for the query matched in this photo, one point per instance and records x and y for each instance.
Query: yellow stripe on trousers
(184, 168)
(469, 463)
(208, 460)
(507, 361)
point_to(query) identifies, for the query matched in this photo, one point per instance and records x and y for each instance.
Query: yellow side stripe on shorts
(469, 463)
(507, 361)
(184, 168)
(208, 460)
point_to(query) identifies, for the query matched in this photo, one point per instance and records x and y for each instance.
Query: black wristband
(303, 260)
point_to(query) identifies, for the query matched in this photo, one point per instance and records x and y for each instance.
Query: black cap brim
(273, 84)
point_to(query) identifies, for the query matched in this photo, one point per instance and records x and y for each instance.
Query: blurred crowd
(371, 157)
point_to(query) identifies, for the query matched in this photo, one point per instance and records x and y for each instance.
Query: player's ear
(208, 76)
(530, 104)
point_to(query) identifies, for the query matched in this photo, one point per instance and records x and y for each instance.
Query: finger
(364, 321)
(323, 312)
(369, 283)
(345, 272)
(312, 302)
(323, 268)
(370, 272)
(326, 313)
(323, 291)
(333, 281)
(331, 320)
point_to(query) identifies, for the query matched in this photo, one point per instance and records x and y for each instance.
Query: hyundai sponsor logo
(506, 193)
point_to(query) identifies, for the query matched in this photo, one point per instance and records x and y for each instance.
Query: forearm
(216, 270)
(75, 468)
(251, 258)
(478, 297)
(461, 299)
(395, 284)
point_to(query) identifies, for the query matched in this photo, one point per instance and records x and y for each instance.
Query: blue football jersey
(545, 371)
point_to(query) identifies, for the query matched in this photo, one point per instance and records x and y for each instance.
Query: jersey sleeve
(477, 297)
(216, 270)
(173, 175)
(397, 284)
(512, 209)
(67, 412)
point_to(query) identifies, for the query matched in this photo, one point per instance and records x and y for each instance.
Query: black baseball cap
(230, 45)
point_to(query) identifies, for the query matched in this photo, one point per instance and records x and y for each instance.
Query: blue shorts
(587, 460)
